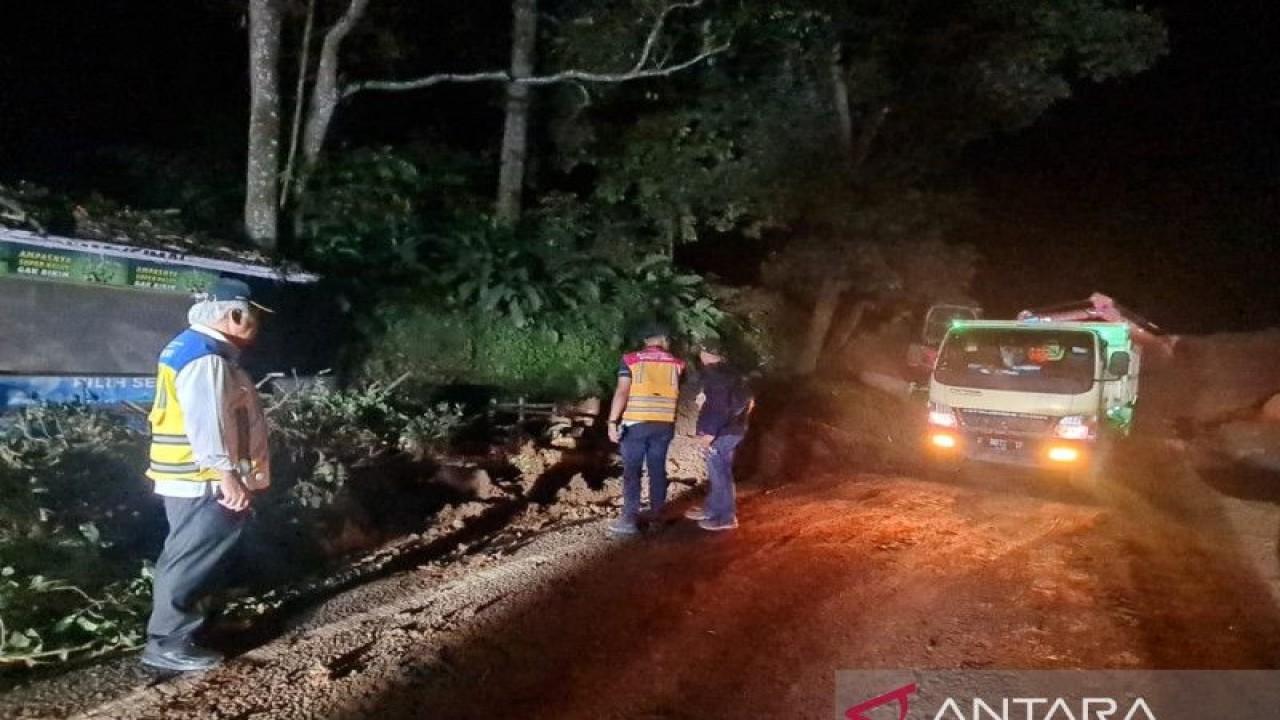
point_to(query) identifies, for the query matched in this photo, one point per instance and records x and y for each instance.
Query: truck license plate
(1004, 444)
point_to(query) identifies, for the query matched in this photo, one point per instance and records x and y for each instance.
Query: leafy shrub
(655, 288)
(338, 424)
(319, 434)
(70, 472)
(497, 271)
(45, 620)
(358, 214)
(431, 429)
(553, 332)
(75, 518)
(565, 355)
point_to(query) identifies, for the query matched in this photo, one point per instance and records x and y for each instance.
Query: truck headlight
(1064, 454)
(1075, 427)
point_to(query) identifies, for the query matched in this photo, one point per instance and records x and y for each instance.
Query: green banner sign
(46, 263)
(172, 278)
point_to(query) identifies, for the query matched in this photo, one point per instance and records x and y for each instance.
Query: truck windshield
(1030, 360)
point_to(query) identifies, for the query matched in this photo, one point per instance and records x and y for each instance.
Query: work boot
(695, 513)
(623, 527)
(182, 658)
(714, 525)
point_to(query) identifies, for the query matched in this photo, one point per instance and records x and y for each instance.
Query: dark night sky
(79, 76)
(1163, 190)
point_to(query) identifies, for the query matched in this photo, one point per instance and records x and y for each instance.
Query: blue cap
(232, 290)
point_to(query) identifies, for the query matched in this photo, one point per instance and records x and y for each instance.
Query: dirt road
(840, 571)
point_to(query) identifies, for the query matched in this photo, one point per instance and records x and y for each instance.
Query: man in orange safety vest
(642, 419)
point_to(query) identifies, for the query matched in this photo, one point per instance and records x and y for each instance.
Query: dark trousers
(645, 444)
(202, 534)
(720, 505)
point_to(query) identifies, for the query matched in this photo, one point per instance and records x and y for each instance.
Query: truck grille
(996, 422)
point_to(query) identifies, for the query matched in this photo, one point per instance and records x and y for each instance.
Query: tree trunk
(840, 98)
(870, 129)
(515, 135)
(261, 206)
(327, 93)
(819, 323)
(847, 326)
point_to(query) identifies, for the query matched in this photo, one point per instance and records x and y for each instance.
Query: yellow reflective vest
(172, 457)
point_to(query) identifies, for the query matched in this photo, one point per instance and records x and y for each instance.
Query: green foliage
(77, 520)
(608, 36)
(656, 288)
(74, 513)
(758, 326)
(431, 429)
(556, 362)
(567, 346)
(320, 433)
(44, 620)
(69, 471)
(496, 271)
(756, 140)
(664, 180)
(357, 216)
(1099, 39)
(563, 355)
(338, 424)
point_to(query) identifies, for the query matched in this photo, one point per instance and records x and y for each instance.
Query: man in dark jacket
(722, 423)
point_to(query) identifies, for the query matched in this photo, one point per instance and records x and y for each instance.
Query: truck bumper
(1018, 450)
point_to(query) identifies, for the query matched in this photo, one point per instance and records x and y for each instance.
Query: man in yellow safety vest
(208, 456)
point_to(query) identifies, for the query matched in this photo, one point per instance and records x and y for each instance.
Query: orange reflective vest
(655, 385)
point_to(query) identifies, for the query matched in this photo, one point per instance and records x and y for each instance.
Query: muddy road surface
(1162, 568)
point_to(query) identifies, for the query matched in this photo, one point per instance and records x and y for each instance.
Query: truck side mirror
(1118, 364)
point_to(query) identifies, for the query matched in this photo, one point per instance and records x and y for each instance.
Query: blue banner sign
(20, 390)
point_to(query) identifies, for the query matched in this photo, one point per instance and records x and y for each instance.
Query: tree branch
(426, 82)
(655, 33)
(503, 76)
(11, 210)
(640, 70)
(299, 101)
(594, 77)
(325, 93)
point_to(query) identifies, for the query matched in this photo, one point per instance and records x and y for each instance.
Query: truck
(1049, 390)
(84, 320)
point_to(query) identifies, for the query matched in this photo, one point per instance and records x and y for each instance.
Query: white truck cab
(1033, 393)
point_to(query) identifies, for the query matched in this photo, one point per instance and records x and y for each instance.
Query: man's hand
(615, 432)
(704, 441)
(234, 495)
